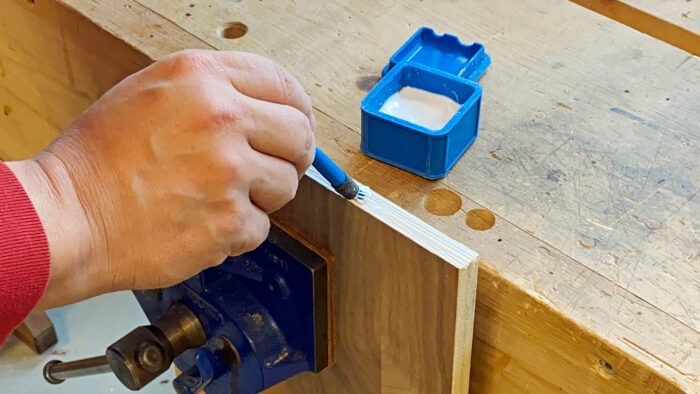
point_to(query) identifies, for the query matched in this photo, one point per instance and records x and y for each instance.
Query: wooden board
(403, 292)
(404, 296)
(682, 13)
(555, 309)
(37, 332)
(39, 98)
(676, 22)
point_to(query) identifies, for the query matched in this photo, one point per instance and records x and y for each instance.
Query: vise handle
(141, 355)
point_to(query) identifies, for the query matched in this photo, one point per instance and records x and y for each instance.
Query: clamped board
(241, 327)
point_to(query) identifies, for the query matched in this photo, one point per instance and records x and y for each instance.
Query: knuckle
(154, 92)
(219, 110)
(234, 165)
(309, 145)
(251, 63)
(284, 80)
(237, 224)
(254, 61)
(305, 134)
(287, 189)
(258, 234)
(228, 113)
(215, 259)
(185, 62)
(222, 110)
(234, 226)
(250, 237)
(292, 186)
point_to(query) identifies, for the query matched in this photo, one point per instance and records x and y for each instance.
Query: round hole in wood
(443, 202)
(480, 219)
(233, 30)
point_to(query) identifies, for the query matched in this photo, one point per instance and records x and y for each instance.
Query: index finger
(260, 78)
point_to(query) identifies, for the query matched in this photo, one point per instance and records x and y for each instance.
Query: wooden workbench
(588, 159)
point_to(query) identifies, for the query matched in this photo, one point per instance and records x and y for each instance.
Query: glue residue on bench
(427, 109)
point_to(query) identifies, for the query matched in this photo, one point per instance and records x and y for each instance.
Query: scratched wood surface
(590, 171)
(597, 143)
(392, 273)
(589, 139)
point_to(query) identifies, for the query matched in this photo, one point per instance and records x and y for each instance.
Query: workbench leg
(37, 332)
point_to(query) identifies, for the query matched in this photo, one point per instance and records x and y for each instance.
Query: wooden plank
(37, 332)
(39, 98)
(591, 138)
(393, 275)
(404, 296)
(683, 13)
(538, 273)
(676, 22)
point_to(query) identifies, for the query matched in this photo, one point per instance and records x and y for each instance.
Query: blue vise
(241, 327)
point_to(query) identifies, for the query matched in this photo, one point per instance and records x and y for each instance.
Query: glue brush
(341, 182)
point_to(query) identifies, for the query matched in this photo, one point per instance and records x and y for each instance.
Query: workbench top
(587, 162)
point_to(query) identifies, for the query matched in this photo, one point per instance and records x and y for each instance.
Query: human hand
(172, 170)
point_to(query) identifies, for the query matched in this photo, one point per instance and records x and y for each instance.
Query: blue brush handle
(327, 167)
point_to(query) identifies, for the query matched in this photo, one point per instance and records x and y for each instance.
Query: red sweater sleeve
(24, 254)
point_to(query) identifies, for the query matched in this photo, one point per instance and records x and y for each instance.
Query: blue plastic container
(438, 64)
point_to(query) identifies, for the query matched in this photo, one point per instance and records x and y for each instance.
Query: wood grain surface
(676, 22)
(587, 160)
(403, 292)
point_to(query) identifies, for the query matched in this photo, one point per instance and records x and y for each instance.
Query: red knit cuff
(24, 254)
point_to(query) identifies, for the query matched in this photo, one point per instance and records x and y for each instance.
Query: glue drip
(427, 109)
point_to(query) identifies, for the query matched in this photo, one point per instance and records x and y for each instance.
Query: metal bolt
(225, 349)
(150, 357)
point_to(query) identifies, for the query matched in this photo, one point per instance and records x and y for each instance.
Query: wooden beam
(653, 18)
(37, 332)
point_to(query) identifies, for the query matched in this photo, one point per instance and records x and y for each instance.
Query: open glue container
(434, 63)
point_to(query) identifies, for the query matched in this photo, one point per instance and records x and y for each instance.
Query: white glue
(427, 109)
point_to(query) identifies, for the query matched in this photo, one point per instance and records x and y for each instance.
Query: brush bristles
(363, 193)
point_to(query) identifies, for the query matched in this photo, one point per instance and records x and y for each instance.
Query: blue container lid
(443, 52)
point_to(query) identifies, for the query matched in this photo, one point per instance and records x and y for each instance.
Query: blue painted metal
(440, 64)
(341, 182)
(270, 304)
(327, 167)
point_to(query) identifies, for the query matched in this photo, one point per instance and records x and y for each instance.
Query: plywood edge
(455, 253)
(464, 328)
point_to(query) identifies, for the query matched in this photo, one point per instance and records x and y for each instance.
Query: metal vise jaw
(265, 314)
(252, 322)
